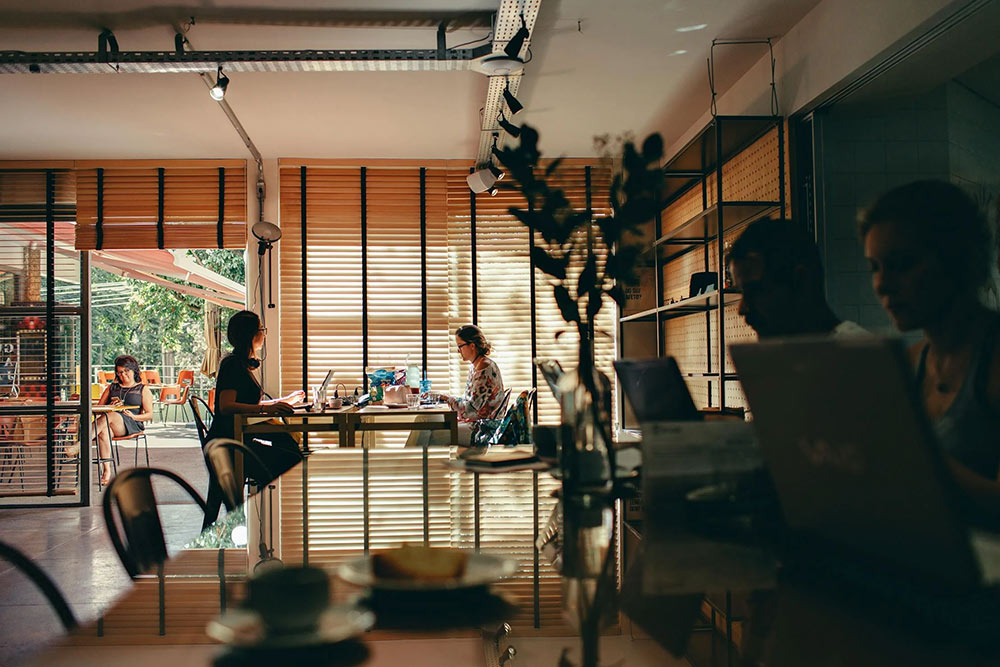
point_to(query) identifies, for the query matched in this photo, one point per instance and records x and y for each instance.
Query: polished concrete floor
(72, 546)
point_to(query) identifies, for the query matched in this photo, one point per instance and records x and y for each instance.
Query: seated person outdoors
(776, 265)
(928, 246)
(237, 391)
(127, 389)
(483, 395)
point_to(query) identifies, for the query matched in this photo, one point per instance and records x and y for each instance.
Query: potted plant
(609, 246)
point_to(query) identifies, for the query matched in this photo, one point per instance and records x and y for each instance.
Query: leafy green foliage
(634, 198)
(157, 321)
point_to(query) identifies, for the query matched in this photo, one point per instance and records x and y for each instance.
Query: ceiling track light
(516, 43)
(509, 128)
(512, 102)
(218, 91)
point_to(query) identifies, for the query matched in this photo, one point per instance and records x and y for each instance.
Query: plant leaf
(567, 306)
(652, 147)
(546, 263)
(618, 294)
(594, 303)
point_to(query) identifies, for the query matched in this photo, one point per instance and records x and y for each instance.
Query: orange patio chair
(176, 395)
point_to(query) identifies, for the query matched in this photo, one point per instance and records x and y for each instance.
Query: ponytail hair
(470, 333)
(240, 332)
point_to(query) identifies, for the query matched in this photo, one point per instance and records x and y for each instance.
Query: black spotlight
(509, 128)
(511, 101)
(516, 43)
(218, 91)
(496, 171)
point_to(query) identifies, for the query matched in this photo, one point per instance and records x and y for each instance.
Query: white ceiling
(598, 67)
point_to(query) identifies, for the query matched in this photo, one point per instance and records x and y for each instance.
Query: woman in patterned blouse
(483, 391)
(484, 387)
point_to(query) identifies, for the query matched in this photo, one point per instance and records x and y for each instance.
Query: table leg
(453, 422)
(238, 428)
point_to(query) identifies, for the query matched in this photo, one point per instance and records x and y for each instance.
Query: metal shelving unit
(700, 165)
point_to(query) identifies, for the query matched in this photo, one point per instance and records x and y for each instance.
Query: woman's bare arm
(229, 406)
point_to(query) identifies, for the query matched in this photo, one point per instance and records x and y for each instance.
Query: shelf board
(696, 304)
(703, 227)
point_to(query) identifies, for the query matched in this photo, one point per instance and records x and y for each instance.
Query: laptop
(307, 405)
(656, 390)
(855, 461)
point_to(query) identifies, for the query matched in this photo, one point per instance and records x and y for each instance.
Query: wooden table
(347, 422)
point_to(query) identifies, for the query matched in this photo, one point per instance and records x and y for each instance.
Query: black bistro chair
(199, 422)
(42, 581)
(226, 476)
(139, 542)
(225, 458)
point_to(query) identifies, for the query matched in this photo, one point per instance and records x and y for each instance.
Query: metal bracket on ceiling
(732, 42)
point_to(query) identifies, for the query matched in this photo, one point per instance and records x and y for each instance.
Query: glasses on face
(262, 330)
(463, 345)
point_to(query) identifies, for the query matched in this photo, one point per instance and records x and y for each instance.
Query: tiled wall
(866, 150)
(974, 157)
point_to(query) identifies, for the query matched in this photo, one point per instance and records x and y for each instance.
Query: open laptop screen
(656, 390)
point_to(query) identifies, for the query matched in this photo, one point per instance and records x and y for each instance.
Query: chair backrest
(185, 378)
(150, 376)
(140, 543)
(96, 389)
(42, 581)
(502, 406)
(106, 377)
(199, 423)
(227, 470)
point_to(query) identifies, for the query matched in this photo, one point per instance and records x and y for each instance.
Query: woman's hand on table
(296, 396)
(278, 409)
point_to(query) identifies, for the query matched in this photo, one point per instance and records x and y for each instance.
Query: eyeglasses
(463, 345)
(262, 330)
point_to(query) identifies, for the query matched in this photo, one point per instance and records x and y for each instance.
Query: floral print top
(483, 393)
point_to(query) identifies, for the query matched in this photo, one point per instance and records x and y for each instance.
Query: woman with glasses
(127, 389)
(237, 391)
(484, 392)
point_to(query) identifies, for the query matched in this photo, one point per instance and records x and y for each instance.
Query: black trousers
(279, 457)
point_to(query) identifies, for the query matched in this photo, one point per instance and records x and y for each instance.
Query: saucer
(244, 628)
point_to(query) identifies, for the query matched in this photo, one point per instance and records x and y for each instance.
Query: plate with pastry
(420, 568)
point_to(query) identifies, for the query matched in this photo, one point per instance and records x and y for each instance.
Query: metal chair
(43, 582)
(225, 475)
(501, 409)
(140, 543)
(176, 395)
(134, 437)
(199, 423)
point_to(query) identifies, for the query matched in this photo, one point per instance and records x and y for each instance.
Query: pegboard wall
(751, 175)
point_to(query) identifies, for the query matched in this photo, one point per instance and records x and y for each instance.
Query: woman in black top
(127, 389)
(237, 391)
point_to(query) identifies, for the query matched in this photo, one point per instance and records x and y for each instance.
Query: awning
(153, 266)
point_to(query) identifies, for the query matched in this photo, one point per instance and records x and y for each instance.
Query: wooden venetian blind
(364, 248)
(376, 269)
(161, 204)
(504, 304)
